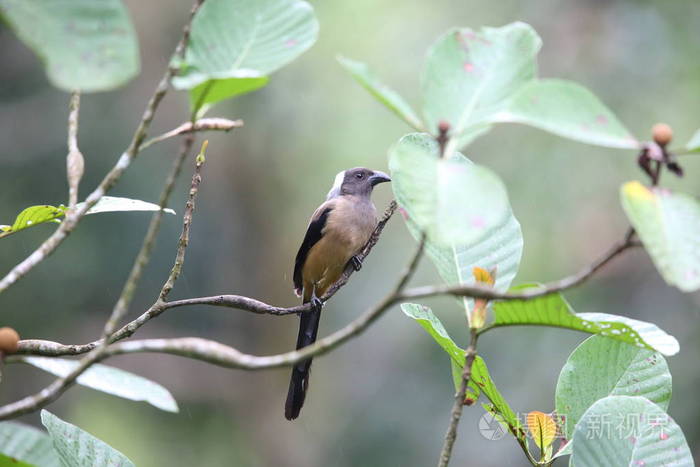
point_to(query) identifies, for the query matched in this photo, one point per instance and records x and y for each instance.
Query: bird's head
(357, 181)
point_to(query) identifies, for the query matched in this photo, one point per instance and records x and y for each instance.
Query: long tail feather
(299, 383)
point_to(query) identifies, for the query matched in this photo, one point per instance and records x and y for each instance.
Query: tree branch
(456, 414)
(488, 293)
(203, 124)
(54, 349)
(100, 351)
(48, 348)
(74, 216)
(75, 163)
(214, 352)
(144, 255)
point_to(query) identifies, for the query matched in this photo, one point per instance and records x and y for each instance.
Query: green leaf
(235, 44)
(624, 430)
(694, 144)
(601, 367)
(31, 216)
(110, 380)
(384, 94)
(481, 381)
(495, 243)
(427, 319)
(117, 204)
(452, 200)
(569, 110)
(7, 461)
(553, 310)
(212, 91)
(668, 224)
(78, 448)
(85, 45)
(468, 75)
(482, 378)
(35, 215)
(27, 444)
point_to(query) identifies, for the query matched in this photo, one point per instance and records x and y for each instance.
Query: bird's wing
(314, 232)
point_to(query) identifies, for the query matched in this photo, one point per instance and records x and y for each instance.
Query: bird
(336, 234)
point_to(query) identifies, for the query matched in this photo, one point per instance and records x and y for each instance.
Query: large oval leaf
(235, 44)
(553, 310)
(110, 380)
(668, 224)
(78, 448)
(624, 430)
(27, 444)
(469, 75)
(451, 199)
(494, 241)
(86, 44)
(601, 367)
(569, 110)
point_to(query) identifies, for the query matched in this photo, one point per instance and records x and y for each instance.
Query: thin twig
(186, 224)
(456, 414)
(75, 215)
(100, 351)
(48, 348)
(75, 163)
(144, 255)
(214, 352)
(54, 349)
(488, 293)
(203, 124)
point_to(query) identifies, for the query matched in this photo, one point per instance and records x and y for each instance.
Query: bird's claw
(316, 303)
(356, 263)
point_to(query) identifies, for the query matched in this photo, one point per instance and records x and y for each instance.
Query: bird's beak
(379, 177)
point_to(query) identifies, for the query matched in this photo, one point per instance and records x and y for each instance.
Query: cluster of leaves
(471, 81)
(91, 46)
(67, 444)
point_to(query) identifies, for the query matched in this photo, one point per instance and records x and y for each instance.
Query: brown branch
(144, 255)
(74, 216)
(203, 124)
(488, 293)
(214, 352)
(54, 349)
(48, 348)
(456, 414)
(186, 224)
(100, 351)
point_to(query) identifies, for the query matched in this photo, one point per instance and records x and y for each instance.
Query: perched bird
(337, 232)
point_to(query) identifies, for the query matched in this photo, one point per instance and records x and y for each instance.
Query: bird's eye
(359, 175)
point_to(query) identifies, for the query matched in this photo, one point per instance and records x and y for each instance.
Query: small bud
(443, 126)
(662, 134)
(201, 156)
(9, 340)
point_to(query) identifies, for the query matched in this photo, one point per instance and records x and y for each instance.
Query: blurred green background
(383, 399)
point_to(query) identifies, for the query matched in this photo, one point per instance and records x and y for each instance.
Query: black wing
(313, 234)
